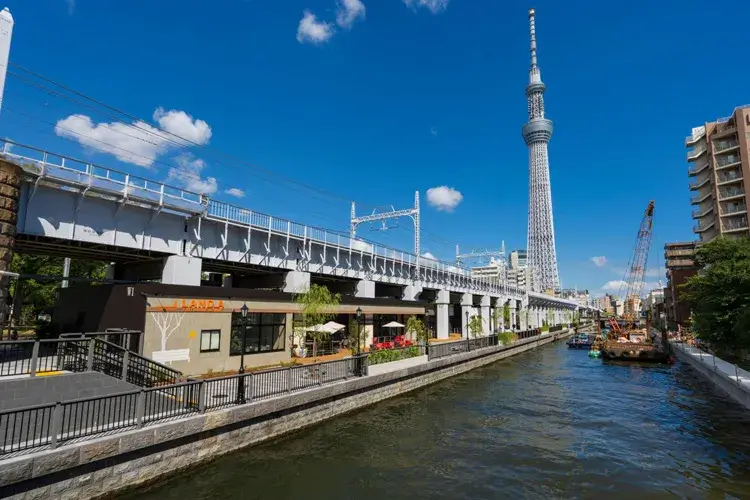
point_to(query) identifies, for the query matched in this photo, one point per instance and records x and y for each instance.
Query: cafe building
(199, 329)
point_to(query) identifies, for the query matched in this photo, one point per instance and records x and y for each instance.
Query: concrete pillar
(181, 270)
(110, 273)
(226, 282)
(485, 315)
(296, 282)
(365, 289)
(442, 303)
(412, 292)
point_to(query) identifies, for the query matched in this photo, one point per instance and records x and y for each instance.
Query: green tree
(475, 326)
(416, 326)
(38, 290)
(506, 315)
(317, 306)
(720, 293)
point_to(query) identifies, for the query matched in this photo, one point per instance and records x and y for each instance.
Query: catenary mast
(542, 257)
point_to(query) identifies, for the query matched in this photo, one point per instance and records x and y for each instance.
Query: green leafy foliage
(506, 338)
(389, 355)
(415, 326)
(506, 315)
(40, 295)
(317, 306)
(475, 326)
(720, 294)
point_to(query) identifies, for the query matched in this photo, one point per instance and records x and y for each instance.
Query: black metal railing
(169, 398)
(79, 354)
(55, 423)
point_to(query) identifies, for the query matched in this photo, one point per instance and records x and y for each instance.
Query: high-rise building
(542, 256)
(719, 163)
(678, 258)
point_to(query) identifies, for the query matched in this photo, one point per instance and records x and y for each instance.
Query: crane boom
(636, 273)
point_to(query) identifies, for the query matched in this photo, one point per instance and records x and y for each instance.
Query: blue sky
(378, 103)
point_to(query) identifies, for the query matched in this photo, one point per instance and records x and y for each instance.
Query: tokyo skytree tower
(542, 257)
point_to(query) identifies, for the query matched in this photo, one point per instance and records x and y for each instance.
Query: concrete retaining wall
(98, 468)
(728, 383)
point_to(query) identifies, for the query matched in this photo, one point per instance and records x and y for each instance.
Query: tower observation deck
(542, 256)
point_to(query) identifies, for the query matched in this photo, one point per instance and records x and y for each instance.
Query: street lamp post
(467, 324)
(241, 371)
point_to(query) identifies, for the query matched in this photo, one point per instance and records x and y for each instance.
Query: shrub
(388, 355)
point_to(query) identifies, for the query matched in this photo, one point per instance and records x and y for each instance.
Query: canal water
(551, 423)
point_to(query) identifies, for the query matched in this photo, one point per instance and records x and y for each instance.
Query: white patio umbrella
(319, 328)
(334, 327)
(393, 324)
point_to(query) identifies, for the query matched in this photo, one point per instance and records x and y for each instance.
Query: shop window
(210, 340)
(263, 332)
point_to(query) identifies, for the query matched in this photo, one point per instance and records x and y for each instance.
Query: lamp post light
(467, 324)
(241, 371)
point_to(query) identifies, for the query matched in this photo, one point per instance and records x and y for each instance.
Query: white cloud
(236, 192)
(428, 255)
(599, 261)
(189, 175)
(444, 198)
(183, 126)
(138, 143)
(434, 6)
(310, 30)
(348, 12)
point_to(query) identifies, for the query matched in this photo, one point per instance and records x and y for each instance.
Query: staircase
(35, 358)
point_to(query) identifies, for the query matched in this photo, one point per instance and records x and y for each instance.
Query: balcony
(697, 214)
(688, 252)
(731, 225)
(698, 167)
(702, 226)
(725, 194)
(695, 153)
(697, 184)
(727, 177)
(728, 161)
(694, 138)
(734, 209)
(722, 146)
(700, 197)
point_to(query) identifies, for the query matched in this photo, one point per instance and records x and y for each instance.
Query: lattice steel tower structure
(542, 257)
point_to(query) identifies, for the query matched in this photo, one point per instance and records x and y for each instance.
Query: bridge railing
(126, 187)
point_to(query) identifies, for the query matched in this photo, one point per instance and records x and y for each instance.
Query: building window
(210, 340)
(264, 332)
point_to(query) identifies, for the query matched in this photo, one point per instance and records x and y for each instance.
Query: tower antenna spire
(532, 32)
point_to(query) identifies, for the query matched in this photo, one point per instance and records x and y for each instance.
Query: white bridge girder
(89, 209)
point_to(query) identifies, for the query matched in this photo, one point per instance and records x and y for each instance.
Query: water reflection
(552, 423)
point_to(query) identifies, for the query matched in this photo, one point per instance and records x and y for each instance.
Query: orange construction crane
(635, 277)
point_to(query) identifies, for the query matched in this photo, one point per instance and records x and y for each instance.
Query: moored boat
(580, 341)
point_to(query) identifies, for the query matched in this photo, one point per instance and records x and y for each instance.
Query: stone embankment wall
(101, 467)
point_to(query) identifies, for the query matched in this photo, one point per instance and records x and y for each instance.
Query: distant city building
(494, 272)
(654, 304)
(718, 164)
(680, 266)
